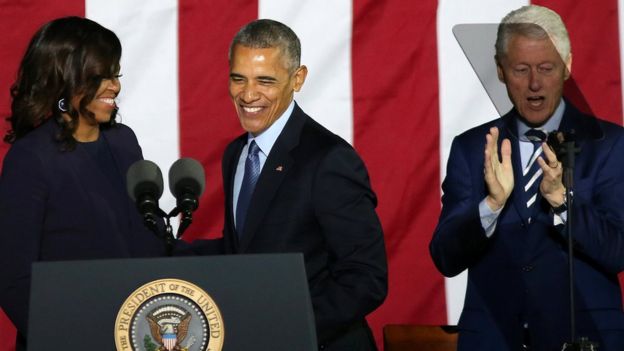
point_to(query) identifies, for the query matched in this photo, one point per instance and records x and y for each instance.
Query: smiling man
(293, 186)
(504, 218)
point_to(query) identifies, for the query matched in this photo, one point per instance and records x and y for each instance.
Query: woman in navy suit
(62, 187)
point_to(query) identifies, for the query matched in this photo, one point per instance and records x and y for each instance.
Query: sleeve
(488, 217)
(23, 192)
(598, 211)
(345, 208)
(459, 239)
(142, 241)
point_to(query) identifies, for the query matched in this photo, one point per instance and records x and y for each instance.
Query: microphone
(145, 186)
(564, 146)
(186, 182)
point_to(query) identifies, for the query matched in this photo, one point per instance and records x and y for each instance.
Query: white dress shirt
(265, 141)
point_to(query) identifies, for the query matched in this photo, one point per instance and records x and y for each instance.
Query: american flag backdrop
(386, 75)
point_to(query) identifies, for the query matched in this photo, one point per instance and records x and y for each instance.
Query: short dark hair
(267, 33)
(66, 57)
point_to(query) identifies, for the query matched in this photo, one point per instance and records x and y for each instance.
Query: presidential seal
(169, 315)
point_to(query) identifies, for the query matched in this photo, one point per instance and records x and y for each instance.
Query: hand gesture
(499, 177)
(551, 187)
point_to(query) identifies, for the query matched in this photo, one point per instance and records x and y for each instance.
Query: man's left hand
(551, 187)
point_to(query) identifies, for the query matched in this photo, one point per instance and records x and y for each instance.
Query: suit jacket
(313, 196)
(519, 275)
(57, 205)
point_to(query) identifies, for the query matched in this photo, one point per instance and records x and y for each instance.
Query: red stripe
(7, 333)
(395, 92)
(20, 20)
(207, 118)
(595, 39)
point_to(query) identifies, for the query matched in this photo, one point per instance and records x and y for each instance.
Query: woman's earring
(62, 106)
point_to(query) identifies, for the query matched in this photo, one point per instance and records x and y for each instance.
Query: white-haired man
(504, 213)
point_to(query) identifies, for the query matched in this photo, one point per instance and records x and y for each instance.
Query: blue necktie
(532, 172)
(250, 177)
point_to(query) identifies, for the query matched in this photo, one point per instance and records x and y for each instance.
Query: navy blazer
(57, 205)
(313, 196)
(519, 275)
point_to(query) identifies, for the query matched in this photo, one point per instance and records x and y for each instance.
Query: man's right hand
(499, 176)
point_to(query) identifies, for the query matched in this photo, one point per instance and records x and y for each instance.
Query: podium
(237, 302)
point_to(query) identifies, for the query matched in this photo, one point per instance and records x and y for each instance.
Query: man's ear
(499, 69)
(568, 64)
(500, 73)
(300, 75)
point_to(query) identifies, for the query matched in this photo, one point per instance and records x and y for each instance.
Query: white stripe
(531, 200)
(149, 64)
(463, 101)
(324, 28)
(536, 154)
(533, 179)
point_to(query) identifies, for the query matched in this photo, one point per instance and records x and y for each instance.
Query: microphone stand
(169, 239)
(187, 202)
(187, 218)
(567, 153)
(185, 221)
(151, 222)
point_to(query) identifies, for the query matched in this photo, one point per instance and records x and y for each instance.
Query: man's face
(533, 72)
(261, 86)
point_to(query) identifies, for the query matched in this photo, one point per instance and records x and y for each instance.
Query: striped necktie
(532, 173)
(250, 177)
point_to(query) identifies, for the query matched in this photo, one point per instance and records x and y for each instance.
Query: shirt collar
(267, 139)
(551, 125)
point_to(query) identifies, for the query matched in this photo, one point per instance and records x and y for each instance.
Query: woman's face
(103, 103)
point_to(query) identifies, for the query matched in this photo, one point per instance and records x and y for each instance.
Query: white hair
(535, 22)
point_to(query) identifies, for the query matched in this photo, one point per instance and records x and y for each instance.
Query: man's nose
(535, 81)
(250, 93)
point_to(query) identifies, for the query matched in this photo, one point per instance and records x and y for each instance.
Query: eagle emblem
(169, 327)
(169, 315)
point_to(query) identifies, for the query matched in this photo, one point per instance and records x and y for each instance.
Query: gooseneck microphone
(186, 182)
(560, 141)
(144, 183)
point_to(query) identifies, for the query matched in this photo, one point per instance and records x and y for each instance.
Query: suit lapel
(275, 169)
(229, 171)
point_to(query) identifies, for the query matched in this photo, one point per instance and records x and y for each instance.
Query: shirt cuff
(560, 218)
(488, 217)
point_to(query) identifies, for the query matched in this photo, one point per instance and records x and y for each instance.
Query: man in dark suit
(293, 186)
(504, 217)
